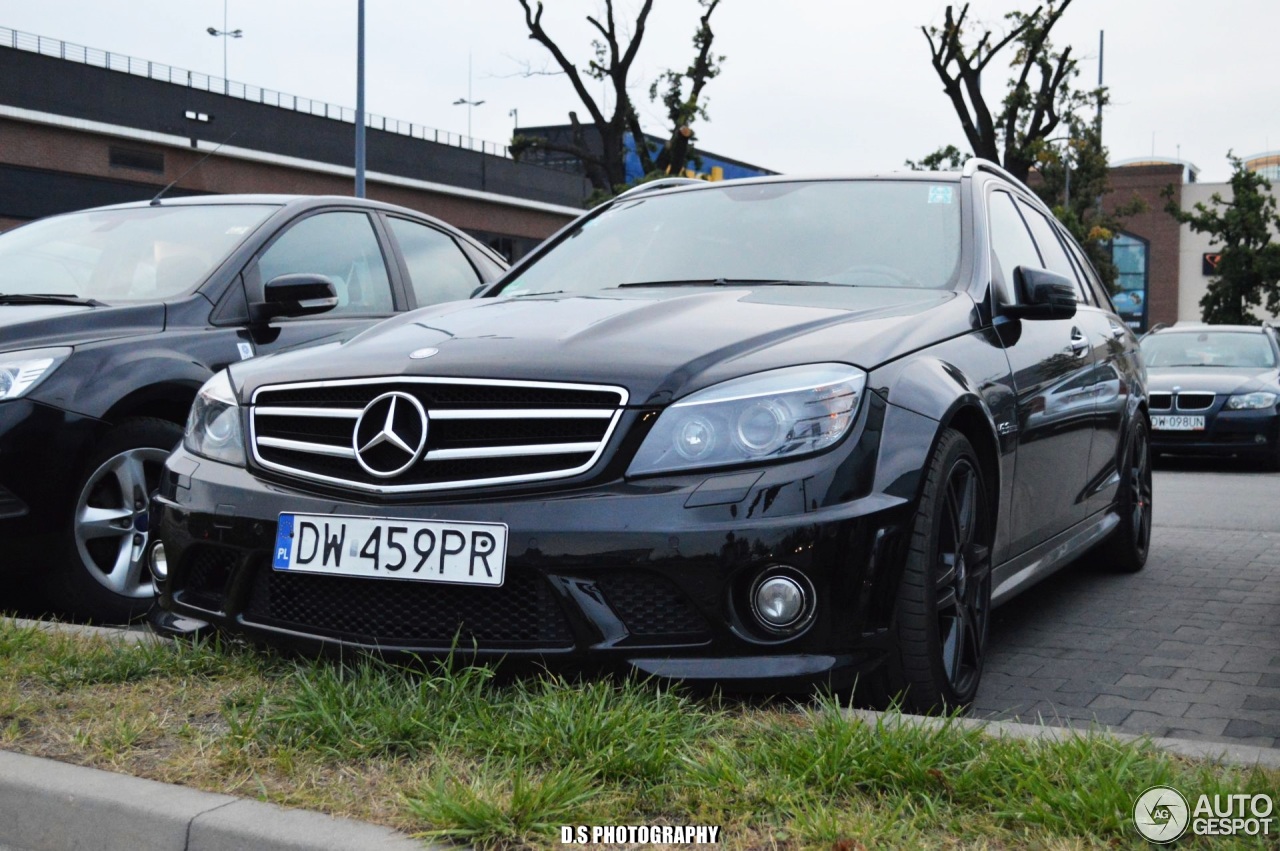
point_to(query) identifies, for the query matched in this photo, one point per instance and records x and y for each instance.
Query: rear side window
(1055, 256)
(438, 269)
(1091, 277)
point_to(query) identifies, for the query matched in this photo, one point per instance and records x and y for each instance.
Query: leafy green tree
(1243, 231)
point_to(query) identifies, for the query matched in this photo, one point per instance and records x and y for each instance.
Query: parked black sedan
(1214, 390)
(111, 319)
(762, 434)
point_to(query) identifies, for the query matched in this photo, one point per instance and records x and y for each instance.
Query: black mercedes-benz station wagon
(110, 321)
(762, 434)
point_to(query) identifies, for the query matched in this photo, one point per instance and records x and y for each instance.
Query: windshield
(135, 254)
(1209, 348)
(852, 233)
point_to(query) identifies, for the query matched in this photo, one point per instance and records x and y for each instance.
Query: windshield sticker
(941, 194)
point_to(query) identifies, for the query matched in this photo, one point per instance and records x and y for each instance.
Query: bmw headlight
(768, 416)
(1251, 401)
(20, 371)
(213, 426)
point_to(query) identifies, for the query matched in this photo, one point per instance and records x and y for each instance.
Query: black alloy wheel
(1126, 550)
(944, 600)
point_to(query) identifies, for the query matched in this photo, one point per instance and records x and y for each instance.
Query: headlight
(1251, 401)
(213, 427)
(764, 417)
(20, 371)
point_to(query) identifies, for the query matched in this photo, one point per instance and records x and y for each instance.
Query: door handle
(1079, 343)
(1117, 332)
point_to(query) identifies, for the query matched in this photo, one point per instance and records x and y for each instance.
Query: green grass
(448, 752)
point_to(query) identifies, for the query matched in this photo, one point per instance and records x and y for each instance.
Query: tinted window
(1055, 256)
(341, 245)
(1211, 348)
(1011, 243)
(125, 255)
(1090, 276)
(857, 233)
(437, 267)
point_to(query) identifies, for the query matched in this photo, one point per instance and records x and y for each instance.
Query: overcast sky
(808, 85)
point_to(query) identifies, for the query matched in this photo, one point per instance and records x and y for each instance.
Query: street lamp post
(468, 101)
(225, 34)
(360, 140)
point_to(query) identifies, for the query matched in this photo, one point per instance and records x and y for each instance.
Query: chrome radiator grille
(406, 435)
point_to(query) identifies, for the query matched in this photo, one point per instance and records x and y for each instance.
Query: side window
(438, 269)
(1090, 276)
(1055, 256)
(1011, 244)
(343, 246)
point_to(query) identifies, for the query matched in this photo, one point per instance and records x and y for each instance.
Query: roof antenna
(155, 202)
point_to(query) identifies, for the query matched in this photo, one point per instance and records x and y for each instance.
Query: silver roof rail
(975, 164)
(660, 183)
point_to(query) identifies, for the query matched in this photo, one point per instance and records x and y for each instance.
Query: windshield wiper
(48, 298)
(726, 282)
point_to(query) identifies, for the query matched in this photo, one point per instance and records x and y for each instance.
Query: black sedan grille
(478, 432)
(521, 613)
(1195, 401)
(207, 571)
(1161, 401)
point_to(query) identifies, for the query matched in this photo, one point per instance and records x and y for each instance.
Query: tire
(98, 568)
(944, 597)
(1126, 550)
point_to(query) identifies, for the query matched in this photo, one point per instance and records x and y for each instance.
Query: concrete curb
(51, 805)
(1220, 752)
(129, 635)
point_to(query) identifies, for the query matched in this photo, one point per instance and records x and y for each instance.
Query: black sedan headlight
(1251, 401)
(769, 416)
(20, 371)
(213, 426)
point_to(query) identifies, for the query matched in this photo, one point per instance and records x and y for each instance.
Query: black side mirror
(295, 295)
(1041, 295)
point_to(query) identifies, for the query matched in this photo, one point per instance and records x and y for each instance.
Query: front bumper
(1249, 433)
(649, 576)
(42, 449)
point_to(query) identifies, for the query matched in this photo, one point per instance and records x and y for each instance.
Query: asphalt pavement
(1187, 648)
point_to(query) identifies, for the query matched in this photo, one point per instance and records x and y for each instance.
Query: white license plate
(1168, 423)
(387, 548)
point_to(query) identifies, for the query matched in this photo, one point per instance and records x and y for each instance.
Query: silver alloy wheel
(111, 521)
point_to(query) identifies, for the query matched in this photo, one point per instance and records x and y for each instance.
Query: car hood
(30, 326)
(1212, 379)
(658, 343)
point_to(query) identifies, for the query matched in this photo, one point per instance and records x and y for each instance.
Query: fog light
(159, 562)
(779, 602)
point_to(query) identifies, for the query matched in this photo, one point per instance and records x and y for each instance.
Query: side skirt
(1023, 571)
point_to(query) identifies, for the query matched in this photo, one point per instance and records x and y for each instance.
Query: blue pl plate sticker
(941, 194)
(284, 541)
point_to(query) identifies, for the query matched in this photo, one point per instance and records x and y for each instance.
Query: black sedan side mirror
(295, 295)
(1041, 295)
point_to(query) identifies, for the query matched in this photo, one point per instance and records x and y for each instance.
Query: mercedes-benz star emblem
(390, 434)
